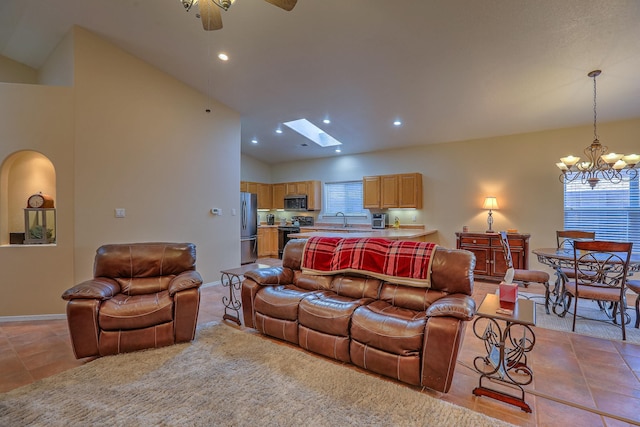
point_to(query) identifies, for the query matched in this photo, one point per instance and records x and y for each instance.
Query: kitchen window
(611, 210)
(345, 197)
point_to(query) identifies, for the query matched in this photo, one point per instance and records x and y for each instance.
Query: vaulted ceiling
(448, 69)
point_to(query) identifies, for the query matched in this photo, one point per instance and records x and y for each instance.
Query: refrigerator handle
(243, 214)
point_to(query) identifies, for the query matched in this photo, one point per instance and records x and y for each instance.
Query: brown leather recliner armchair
(143, 295)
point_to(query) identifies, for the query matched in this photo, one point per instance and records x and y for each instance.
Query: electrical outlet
(120, 213)
(415, 218)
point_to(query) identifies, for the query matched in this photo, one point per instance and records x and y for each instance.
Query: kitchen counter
(415, 234)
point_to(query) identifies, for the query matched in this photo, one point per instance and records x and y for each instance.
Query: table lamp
(490, 203)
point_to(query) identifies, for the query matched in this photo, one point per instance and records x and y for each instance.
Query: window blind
(345, 197)
(611, 210)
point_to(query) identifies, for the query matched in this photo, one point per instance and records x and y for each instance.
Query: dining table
(559, 258)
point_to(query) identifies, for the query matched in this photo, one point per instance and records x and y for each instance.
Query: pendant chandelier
(598, 165)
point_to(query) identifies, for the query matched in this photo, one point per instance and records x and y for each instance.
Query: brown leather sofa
(408, 333)
(143, 295)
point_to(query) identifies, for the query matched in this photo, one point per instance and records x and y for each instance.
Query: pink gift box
(508, 292)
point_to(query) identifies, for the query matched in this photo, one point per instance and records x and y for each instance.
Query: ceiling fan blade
(210, 15)
(283, 4)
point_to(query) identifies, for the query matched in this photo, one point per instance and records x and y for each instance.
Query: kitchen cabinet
(278, 192)
(392, 191)
(267, 242)
(410, 190)
(271, 196)
(371, 192)
(314, 195)
(265, 200)
(296, 188)
(389, 191)
(490, 264)
(262, 191)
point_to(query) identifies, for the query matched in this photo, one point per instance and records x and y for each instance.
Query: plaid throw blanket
(396, 261)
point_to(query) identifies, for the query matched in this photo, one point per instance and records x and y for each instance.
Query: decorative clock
(40, 201)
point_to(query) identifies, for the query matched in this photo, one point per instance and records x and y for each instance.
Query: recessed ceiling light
(254, 141)
(223, 56)
(278, 130)
(397, 123)
(338, 150)
(326, 121)
(307, 129)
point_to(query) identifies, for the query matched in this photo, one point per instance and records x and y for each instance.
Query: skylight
(307, 129)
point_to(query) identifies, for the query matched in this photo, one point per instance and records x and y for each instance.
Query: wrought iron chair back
(565, 238)
(600, 274)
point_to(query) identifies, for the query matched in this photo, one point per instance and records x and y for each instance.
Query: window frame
(327, 206)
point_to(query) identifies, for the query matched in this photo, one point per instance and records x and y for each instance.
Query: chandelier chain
(595, 111)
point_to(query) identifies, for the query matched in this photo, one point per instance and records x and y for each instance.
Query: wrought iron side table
(232, 278)
(505, 363)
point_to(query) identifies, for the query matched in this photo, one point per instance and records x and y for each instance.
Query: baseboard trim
(32, 317)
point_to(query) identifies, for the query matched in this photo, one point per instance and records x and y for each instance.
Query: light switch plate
(120, 213)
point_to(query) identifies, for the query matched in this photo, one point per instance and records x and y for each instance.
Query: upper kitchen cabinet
(371, 192)
(265, 200)
(410, 190)
(278, 192)
(314, 195)
(393, 191)
(262, 191)
(296, 188)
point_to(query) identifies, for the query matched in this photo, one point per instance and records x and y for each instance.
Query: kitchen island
(414, 234)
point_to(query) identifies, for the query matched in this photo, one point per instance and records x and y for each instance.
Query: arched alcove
(22, 174)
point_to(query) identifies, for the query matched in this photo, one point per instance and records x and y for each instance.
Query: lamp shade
(490, 203)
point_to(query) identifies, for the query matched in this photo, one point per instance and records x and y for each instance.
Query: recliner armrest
(271, 275)
(101, 288)
(187, 280)
(460, 306)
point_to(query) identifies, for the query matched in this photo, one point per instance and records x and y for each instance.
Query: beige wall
(518, 169)
(125, 136)
(144, 143)
(38, 118)
(14, 72)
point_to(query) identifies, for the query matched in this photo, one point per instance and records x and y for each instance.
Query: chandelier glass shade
(598, 164)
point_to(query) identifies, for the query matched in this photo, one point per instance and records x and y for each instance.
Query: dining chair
(565, 271)
(565, 238)
(525, 277)
(600, 274)
(634, 285)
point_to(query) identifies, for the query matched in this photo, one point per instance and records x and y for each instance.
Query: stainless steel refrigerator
(248, 228)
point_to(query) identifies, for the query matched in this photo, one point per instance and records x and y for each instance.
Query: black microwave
(295, 203)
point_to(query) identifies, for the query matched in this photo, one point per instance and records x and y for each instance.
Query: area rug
(226, 377)
(591, 320)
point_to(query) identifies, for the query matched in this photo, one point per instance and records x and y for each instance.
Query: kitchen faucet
(344, 218)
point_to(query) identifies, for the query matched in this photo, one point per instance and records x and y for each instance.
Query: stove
(285, 230)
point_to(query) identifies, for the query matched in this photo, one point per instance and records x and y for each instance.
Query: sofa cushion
(280, 302)
(329, 313)
(393, 329)
(418, 299)
(123, 312)
(355, 286)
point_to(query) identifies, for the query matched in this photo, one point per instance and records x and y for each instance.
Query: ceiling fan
(209, 10)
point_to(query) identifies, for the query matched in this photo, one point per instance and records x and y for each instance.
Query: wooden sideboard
(490, 264)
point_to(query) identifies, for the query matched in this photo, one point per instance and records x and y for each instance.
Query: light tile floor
(572, 373)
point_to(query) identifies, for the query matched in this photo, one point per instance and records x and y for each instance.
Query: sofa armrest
(271, 276)
(460, 306)
(186, 280)
(100, 288)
